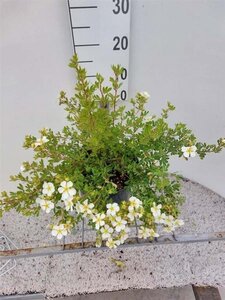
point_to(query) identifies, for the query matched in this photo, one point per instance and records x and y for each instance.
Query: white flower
(168, 229)
(48, 188)
(160, 219)
(66, 189)
(78, 207)
(135, 202)
(144, 232)
(169, 221)
(153, 233)
(112, 209)
(59, 231)
(133, 214)
(69, 204)
(189, 151)
(124, 235)
(145, 95)
(106, 232)
(112, 244)
(112, 218)
(119, 224)
(40, 141)
(156, 209)
(46, 205)
(178, 223)
(149, 118)
(38, 200)
(22, 168)
(86, 208)
(99, 220)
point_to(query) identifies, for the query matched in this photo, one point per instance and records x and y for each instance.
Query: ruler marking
(85, 61)
(82, 7)
(91, 76)
(105, 29)
(87, 45)
(81, 27)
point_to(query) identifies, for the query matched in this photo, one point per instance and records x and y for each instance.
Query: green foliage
(105, 148)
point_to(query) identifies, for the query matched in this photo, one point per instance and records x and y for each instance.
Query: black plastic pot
(122, 195)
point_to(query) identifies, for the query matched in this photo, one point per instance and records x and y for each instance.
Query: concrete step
(182, 293)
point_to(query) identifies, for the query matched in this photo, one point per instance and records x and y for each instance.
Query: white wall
(177, 54)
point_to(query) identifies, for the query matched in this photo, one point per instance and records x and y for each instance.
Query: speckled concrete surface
(203, 210)
(27, 232)
(145, 267)
(150, 267)
(29, 276)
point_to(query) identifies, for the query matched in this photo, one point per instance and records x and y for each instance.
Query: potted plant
(109, 165)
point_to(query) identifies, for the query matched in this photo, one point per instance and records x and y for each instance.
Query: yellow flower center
(189, 150)
(86, 207)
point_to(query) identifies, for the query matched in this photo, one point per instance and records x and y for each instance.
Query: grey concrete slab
(203, 210)
(29, 276)
(184, 293)
(146, 267)
(27, 232)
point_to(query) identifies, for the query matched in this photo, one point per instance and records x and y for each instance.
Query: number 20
(121, 43)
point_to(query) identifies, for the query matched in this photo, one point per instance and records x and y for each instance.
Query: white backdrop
(177, 54)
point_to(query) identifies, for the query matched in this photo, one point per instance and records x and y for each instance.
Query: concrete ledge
(184, 293)
(146, 267)
(24, 297)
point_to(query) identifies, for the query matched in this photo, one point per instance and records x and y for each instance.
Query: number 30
(121, 6)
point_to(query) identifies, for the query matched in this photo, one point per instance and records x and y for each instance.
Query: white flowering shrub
(105, 149)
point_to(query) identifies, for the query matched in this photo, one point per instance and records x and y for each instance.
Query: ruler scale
(101, 37)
